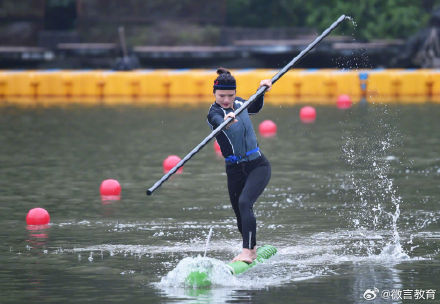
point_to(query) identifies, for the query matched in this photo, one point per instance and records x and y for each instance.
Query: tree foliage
(373, 19)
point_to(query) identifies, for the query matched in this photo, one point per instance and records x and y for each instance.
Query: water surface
(352, 205)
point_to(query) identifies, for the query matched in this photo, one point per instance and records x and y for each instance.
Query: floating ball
(267, 128)
(344, 101)
(307, 114)
(217, 148)
(170, 162)
(37, 216)
(110, 187)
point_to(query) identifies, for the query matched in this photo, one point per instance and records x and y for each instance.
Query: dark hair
(224, 80)
(223, 71)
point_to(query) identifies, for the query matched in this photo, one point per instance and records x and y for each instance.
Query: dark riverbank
(334, 52)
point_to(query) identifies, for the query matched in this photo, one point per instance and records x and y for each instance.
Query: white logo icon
(371, 294)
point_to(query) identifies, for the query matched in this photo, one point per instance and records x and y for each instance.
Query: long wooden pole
(259, 92)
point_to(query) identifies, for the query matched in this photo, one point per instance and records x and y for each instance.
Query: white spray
(207, 241)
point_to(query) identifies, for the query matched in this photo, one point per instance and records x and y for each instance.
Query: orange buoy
(170, 162)
(344, 101)
(110, 187)
(267, 128)
(38, 216)
(307, 114)
(217, 148)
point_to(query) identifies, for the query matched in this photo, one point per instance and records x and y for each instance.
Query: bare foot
(247, 256)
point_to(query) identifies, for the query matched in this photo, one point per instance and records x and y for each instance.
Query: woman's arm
(215, 118)
(256, 106)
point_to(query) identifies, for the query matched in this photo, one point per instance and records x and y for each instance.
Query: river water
(352, 206)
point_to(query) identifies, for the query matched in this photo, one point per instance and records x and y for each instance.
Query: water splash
(218, 272)
(352, 20)
(354, 58)
(207, 241)
(367, 153)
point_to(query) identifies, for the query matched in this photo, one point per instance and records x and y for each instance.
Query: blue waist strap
(236, 158)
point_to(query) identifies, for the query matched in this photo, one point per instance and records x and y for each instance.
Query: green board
(263, 253)
(200, 278)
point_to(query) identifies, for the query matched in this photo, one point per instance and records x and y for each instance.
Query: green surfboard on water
(200, 278)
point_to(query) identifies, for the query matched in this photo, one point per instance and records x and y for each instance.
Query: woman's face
(225, 98)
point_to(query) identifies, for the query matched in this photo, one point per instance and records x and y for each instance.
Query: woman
(248, 171)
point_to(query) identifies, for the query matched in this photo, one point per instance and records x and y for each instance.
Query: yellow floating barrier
(18, 83)
(193, 86)
(434, 84)
(247, 81)
(48, 83)
(155, 83)
(346, 82)
(189, 86)
(3, 85)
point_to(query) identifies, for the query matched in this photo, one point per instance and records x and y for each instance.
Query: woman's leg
(236, 181)
(256, 182)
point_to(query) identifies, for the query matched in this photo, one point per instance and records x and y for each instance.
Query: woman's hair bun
(223, 71)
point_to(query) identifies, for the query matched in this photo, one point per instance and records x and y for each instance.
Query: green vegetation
(179, 22)
(375, 19)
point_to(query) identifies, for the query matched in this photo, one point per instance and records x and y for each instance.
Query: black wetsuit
(247, 169)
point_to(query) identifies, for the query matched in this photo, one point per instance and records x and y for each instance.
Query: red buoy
(344, 101)
(307, 114)
(267, 128)
(217, 148)
(110, 187)
(170, 162)
(37, 216)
